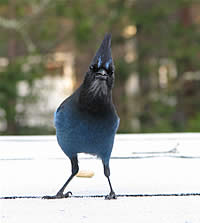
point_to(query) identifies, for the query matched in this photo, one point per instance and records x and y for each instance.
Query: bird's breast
(79, 132)
(80, 125)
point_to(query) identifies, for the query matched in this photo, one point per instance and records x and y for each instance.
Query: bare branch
(29, 43)
(16, 25)
(9, 23)
(37, 11)
(19, 26)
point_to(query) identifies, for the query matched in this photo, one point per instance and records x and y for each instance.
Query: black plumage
(86, 122)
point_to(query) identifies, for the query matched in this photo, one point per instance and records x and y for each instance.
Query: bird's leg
(111, 195)
(60, 194)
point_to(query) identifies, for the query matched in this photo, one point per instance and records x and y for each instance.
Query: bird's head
(99, 78)
(102, 67)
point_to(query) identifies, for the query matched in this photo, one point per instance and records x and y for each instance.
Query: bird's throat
(96, 97)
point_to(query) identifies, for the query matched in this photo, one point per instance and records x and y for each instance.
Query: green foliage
(10, 78)
(83, 30)
(122, 70)
(165, 31)
(4, 2)
(194, 123)
(163, 122)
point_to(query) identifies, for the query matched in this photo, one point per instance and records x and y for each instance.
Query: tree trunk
(12, 96)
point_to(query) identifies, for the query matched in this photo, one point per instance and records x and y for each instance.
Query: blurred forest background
(47, 45)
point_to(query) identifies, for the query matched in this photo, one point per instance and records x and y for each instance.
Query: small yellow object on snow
(84, 173)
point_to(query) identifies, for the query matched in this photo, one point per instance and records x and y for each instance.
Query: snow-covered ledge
(155, 176)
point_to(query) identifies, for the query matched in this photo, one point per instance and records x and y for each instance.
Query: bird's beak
(101, 74)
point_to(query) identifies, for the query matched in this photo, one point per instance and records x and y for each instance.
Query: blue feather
(86, 122)
(108, 63)
(79, 132)
(99, 62)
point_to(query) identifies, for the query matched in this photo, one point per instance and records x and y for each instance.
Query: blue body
(82, 132)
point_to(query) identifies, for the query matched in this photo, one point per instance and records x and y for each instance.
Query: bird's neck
(96, 104)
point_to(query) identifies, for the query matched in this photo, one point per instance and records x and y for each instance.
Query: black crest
(103, 57)
(95, 94)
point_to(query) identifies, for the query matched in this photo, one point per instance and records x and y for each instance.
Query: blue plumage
(107, 64)
(86, 122)
(99, 62)
(80, 132)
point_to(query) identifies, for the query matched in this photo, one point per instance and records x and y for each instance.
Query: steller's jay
(86, 122)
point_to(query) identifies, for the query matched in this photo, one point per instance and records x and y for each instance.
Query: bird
(87, 121)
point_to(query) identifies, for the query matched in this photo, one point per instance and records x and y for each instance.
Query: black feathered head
(99, 80)
(103, 57)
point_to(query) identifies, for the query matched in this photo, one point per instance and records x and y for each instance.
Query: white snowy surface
(129, 210)
(140, 164)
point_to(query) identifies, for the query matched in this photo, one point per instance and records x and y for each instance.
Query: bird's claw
(66, 195)
(111, 196)
(58, 196)
(49, 197)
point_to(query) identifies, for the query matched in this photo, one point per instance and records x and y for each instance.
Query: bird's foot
(111, 196)
(59, 195)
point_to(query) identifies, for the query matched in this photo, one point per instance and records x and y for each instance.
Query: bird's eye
(93, 67)
(110, 71)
